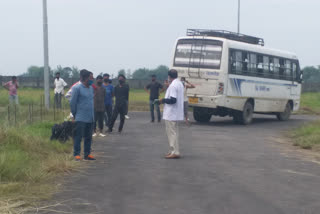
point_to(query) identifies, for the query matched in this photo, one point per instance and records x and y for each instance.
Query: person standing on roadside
(108, 99)
(186, 85)
(153, 89)
(59, 85)
(99, 107)
(121, 93)
(173, 112)
(12, 86)
(82, 108)
(69, 93)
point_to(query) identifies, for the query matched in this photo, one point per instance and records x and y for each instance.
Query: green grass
(30, 163)
(138, 101)
(307, 136)
(310, 103)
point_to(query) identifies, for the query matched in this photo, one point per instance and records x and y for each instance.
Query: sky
(109, 35)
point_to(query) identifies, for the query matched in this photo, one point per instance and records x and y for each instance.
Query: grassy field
(310, 103)
(30, 164)
(29, 161)
(307, 136)
(30, 95)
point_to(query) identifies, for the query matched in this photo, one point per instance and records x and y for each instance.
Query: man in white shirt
(173, 112)
(59, 85)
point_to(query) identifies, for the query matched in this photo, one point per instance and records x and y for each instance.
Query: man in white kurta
(59, 85)
(173, 112)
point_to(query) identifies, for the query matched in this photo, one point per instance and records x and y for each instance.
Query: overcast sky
(107, 35)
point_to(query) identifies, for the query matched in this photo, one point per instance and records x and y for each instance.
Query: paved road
(225, 169)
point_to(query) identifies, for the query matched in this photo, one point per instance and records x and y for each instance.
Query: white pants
(172, 129)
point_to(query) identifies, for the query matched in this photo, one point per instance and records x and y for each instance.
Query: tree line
(65, 72)
(73, 72)
(310, 73)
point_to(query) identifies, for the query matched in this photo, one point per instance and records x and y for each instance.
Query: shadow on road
(227, 121)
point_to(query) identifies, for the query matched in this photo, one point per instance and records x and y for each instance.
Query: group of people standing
(92, 104)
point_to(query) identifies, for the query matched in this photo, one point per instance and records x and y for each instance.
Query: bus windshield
(198, 53)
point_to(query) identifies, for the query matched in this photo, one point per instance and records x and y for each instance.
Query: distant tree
(65, 72)
(142, 73)
(129, 74)
(36, 71)
(122, 71)
(75, 72)
(161, 71)
(311, 74)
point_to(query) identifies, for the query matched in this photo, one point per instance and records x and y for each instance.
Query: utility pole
(46, 56)
(238, 16)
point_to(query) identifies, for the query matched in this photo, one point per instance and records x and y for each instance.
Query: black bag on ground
(62, 132)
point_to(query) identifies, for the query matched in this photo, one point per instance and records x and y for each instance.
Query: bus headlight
(220, 88)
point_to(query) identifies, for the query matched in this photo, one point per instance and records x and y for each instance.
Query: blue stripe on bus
(261, 82)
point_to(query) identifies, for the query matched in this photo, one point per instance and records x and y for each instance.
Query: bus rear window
(198, 53)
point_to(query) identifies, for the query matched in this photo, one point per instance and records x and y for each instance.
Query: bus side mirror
(300, 78)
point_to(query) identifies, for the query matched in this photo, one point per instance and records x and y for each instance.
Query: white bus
(235, 75)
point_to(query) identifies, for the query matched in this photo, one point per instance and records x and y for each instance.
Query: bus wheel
(244, 117)
(283, 116)
(201, 114)
(236, 117)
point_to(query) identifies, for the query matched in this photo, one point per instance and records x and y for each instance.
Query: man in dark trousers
(81, 104)
(121, 93)
(108, 99)
(153, 89)
(99, 108)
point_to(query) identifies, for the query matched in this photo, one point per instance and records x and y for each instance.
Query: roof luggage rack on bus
(227, 35)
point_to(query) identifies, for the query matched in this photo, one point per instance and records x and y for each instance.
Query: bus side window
(253, 64)
(295, 76)
(232, 61)
(281, 69)
(260, 65)
(238, 62)
(266, 72)
(288, 71)
(276, 68)
(271, 67)
(245, 61)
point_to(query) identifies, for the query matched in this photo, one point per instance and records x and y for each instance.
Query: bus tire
(236, 117)
(245, 117)
(201, 114)
(283, 116)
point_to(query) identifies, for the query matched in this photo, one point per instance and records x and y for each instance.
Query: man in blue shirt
(81, 104)
(108, 100)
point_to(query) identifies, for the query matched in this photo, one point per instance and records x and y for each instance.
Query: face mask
(121, 81)
(106, 80)
(99, 83)
(90, 82)
(57, 78)
(153, 80)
